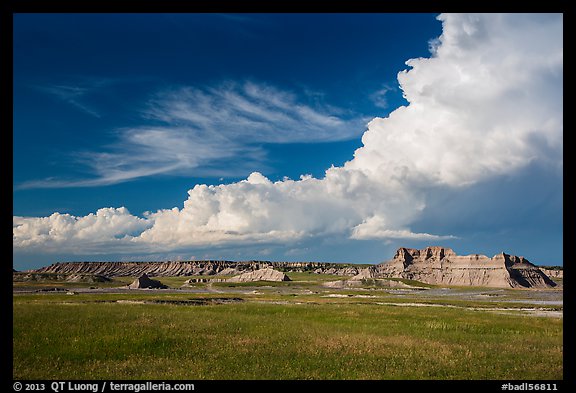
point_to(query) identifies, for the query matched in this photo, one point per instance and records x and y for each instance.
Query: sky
(286, 137)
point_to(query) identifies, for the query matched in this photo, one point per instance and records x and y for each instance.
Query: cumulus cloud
(373, 228)
(486, 103)
(109, 227)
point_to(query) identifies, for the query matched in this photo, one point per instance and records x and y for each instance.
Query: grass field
(276, 332)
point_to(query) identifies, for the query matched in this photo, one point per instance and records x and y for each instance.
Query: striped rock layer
(441, 266)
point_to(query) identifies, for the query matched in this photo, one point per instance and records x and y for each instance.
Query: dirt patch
(348, 295)
(183, 302)
(532, 311)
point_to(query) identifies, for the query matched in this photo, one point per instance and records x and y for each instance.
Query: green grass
(313, 277)
(49, 280)
(58, 336)
(381, 283)
(414, 283)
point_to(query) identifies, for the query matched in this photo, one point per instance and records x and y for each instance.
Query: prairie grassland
(274, 336)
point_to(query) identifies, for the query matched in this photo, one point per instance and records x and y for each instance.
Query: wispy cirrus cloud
(213, 131)
(76, 93)
(260, 112)
(143, 152)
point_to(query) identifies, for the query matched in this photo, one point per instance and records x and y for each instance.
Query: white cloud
(109, 227)
(483, 105)
(375, 227)
(487, 103)
(207, 132)
(255, 112)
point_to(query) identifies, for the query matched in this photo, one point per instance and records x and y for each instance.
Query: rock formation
(146, 282)
(553, 273)
(260, 275)
(368, 276)
(229, 271)
(136, 269)
(193, 268)
(441, 266)
(338, 271)
(432, 265)
(80, 277)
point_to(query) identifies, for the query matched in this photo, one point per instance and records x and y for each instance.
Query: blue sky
(285, 136)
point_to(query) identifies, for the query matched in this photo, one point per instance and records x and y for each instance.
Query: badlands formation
(146, 282)
(441, 266)
(431, 265)
(193, 268)
(260, 275)
(265, 274)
